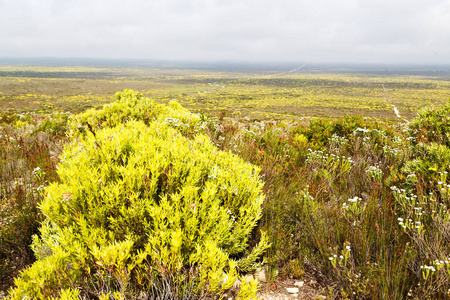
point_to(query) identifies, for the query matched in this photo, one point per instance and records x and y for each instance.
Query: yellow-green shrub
(140, 205)
(131, 105)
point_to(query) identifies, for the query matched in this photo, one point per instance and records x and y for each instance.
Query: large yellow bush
(142, 210)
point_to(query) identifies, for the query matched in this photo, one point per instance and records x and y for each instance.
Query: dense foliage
(28, 158)
(362, 205)
(359, 205)
(142, 210)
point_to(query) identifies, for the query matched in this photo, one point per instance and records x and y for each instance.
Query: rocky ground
(283, 289)
(292, 289)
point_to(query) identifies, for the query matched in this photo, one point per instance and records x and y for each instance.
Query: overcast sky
(311, 31)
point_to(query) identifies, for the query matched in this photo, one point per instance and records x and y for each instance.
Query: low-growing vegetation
(359, 204)
(256, 95)
(28, 158)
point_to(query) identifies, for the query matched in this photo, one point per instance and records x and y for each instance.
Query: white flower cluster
(374, 172)
(338, 140)
(342, 259)
(249, 131)
(361, 131)
(200, 126)
(408, 223)
(388, 150)
(436, 266)
(443, 184)
(401, 193)
(381, 133)
(398, 141)
(175, 122)
(231, 215)
(318, 156)
(354, 199)
(37, 171)
(431, 268)
(351, 203)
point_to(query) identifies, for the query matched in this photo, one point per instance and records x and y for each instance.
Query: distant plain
(253, 91)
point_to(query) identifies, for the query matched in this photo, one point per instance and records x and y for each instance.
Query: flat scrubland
(262, 96)
(356, 198)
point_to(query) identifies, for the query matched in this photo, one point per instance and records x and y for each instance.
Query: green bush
(143, 210)
(56, 124)
(432, 125)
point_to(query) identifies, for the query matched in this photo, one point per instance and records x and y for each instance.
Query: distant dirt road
(282, 73)
(396, 111)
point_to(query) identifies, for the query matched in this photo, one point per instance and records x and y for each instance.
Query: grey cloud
(298, 30)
